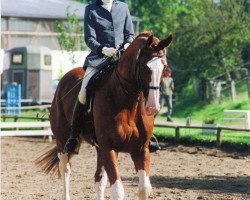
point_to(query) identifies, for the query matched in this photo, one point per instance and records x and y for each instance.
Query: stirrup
(72, 145)
(154, 145)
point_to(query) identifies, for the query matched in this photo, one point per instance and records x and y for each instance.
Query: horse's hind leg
(65, 171)
(142, 160)
(101, 177)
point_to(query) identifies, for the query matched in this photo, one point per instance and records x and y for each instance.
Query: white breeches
(83, 92)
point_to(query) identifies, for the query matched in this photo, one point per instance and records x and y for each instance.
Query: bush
(209, 120)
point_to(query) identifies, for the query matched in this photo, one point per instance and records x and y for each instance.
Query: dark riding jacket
(106, 29)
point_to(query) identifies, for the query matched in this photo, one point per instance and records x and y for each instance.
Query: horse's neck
(128, 61)
(121, 99)
(125, 75)
(126, 92)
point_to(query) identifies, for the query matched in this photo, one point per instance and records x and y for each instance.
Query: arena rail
(218, 128)
(29, 101)
(41, 107)
(15, 117)
(23, 129)
(26, 129)
(245, 119)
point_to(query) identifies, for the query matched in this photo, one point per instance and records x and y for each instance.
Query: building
(30, 25)
(33, 22)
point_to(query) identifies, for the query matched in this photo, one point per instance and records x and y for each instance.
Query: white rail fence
(26, 129)
(245, 117)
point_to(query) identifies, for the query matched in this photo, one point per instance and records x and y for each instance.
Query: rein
(121, 79)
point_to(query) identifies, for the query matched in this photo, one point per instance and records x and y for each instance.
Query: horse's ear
(150, 40)
(165, 43)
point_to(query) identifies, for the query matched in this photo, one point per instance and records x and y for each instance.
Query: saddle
(98, 79)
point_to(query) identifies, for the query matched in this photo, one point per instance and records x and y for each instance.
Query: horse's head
(151, 62)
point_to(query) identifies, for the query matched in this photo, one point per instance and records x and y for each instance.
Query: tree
(215, 39)
(211, 43)
(71, 36)
(208, 37)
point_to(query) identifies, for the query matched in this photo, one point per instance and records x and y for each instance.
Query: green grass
(235, 140)
(189, 103)
(194, 134)
(30, 113)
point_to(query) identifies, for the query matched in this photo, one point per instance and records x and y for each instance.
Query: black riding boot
(154, 146)
(72, 145)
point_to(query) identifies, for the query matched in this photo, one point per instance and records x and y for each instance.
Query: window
(19, 24)
(17, 58)
(4, 24)
(47, 59)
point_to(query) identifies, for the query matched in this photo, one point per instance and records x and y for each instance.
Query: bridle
(138, 67)
(125, 83)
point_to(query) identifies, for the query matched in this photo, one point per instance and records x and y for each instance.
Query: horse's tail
(49, 162)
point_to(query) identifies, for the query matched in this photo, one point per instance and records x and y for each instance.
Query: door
(18, 76)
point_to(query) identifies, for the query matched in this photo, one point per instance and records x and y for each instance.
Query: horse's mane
(137, 44)
(144, 34)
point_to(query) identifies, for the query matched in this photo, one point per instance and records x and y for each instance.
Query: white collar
(108, 6)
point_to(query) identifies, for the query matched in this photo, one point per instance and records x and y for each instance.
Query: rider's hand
(126, 46)
(108, 51)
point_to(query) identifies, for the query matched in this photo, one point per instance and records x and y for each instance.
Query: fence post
(218, 142)
(15, 118)
(4, 117)
(177, 134)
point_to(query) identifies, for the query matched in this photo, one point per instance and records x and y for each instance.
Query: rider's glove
(108, 51)
(126, 45)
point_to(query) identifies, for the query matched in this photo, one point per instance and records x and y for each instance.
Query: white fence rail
(27, 107)
(245, 119)
(23, 129)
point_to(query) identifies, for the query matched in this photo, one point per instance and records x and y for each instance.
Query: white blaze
(156, 66)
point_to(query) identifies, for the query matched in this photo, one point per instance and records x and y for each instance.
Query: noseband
(154, 87)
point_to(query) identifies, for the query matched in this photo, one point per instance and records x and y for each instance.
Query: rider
(107, 27)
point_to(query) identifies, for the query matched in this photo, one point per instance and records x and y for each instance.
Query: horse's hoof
(72, 146)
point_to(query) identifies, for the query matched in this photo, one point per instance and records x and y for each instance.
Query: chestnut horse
(123, 117)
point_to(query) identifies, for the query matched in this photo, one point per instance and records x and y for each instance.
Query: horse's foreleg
(145, 187)
(109, 158)
(65, 170)
(142, 162)
(101, 178)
